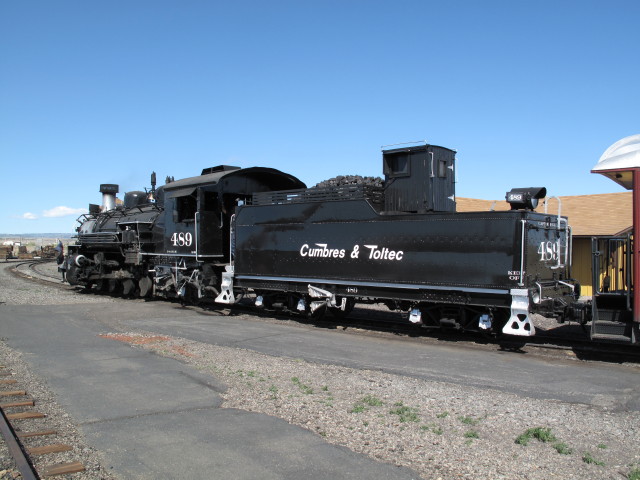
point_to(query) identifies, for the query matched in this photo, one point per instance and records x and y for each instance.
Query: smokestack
(108, 191)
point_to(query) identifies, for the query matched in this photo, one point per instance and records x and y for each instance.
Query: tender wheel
(191, 295)
(318, 314)
(338, 313)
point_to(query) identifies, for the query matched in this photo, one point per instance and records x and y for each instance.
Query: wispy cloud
(63, 211)
(54, 212)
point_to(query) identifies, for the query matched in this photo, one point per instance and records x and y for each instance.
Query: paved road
(152, 416)
(608, 385)
(156, 418)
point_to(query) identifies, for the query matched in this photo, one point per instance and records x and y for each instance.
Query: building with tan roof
(600, 215)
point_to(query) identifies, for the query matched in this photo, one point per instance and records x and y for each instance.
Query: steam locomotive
(233, 231)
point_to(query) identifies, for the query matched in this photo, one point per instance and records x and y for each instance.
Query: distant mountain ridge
(37, 235)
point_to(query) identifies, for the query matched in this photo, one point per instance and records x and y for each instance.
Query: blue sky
(528, 93)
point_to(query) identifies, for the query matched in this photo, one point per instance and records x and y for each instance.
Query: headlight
(525, 198)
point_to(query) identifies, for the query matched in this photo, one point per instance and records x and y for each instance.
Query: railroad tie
(21, 403)
(24, 415)
(54, 448)
(39, 433)
(11, 393)
(62, 469)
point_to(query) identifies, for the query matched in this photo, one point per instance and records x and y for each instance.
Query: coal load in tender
(341, 180)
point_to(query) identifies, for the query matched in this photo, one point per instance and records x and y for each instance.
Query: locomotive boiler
(401, 243)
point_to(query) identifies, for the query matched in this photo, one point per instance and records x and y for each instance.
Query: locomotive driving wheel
(128, 287)
(146, 286)
(73, 274)
(114, 286)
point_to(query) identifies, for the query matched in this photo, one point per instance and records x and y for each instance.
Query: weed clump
(365, 402)
(587, 458)
(542, 434)
(307, 390)
(405, 413)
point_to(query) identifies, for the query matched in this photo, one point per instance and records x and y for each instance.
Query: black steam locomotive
(233, 231)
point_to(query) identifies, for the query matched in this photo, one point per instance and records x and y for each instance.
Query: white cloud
(29, 216)
(63, 211)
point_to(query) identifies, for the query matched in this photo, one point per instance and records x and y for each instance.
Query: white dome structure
(619, 161)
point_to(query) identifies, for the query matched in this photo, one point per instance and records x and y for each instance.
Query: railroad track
(16, 412)
(567, 338)
(32, 270)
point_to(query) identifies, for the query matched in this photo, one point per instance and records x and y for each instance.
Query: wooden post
(636, 244)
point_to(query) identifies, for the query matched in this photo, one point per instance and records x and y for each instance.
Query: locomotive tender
(231, 231)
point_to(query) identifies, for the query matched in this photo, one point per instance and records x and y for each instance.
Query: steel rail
(23, 464)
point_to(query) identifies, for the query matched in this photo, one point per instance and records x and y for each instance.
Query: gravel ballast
(440, 430)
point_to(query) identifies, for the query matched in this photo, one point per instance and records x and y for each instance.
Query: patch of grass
(372, 401)
(437, 429)
(562, 448)
(406, 414)
(325, 388)
(602, 446)
(306, 389)
(523, 439)
(469, 420)
(443, 414)
(365, 402)
(634, 474)
(471, 434)
(588, 459)
(542, 434)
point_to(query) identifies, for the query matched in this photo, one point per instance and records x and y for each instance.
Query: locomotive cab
(198, 210)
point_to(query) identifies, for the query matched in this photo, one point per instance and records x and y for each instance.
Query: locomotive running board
(519, 323)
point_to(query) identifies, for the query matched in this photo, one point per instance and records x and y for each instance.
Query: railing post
(635, 243)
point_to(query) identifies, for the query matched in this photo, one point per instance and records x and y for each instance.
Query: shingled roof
(589, 215)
